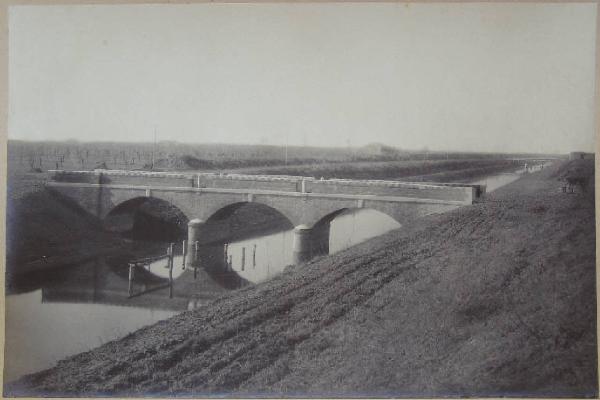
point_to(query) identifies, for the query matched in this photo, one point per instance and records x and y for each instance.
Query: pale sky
(471, 76)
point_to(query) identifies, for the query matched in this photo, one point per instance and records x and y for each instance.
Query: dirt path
(496, 299)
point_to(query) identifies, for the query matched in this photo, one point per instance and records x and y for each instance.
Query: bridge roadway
(308, 203)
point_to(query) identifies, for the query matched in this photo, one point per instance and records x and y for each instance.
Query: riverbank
(493, 299)
(423, 170)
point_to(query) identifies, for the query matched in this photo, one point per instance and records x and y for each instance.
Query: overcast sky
(481, 77)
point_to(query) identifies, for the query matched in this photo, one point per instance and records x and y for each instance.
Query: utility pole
(286, 147)
(153, 147)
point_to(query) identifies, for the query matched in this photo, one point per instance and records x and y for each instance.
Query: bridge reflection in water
(71, 310)
(64, 312)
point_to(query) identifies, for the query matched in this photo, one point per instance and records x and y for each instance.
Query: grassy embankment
(493, 299)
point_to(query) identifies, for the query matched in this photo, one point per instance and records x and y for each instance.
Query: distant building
(580, 155)
(378, 149)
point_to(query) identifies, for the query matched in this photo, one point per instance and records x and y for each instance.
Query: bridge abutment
(302, 247)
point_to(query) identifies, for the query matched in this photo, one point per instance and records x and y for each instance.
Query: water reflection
(356, 226)
(258, 259)
(494, 182)
(39, 331)
(67, 311)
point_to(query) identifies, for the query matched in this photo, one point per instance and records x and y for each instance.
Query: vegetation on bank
(493, 299)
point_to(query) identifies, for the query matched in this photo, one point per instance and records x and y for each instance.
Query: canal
(61, 313)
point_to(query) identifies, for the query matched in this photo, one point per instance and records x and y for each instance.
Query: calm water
(40, 333)
(494, 182)
(80, 308)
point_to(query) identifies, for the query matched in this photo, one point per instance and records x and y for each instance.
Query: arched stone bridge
(306, 202)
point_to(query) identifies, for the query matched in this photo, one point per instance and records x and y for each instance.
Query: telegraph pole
(286, 147)
(153, 147)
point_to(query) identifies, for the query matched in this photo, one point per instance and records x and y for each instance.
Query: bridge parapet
(123, 178)
(463, 193)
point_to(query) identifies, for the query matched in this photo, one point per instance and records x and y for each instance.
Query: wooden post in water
(243, 257)
(184, 252)
(225, 246)
(131, 276)
(170, 254)
(195, 259)
(254, 257)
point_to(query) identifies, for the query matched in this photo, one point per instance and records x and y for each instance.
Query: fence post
(243, 257)
(184, 253)
(195, 259)
(170, 253)
(131, 276)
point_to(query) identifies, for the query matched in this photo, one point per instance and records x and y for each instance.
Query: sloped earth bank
(492, 299)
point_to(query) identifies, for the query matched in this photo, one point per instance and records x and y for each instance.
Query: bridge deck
(384, 190)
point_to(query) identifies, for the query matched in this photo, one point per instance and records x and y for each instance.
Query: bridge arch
(328, 218)
(328, 212)
(331, 233)
(245, 218)
(403, 213)
(147, 218)
(218, 205)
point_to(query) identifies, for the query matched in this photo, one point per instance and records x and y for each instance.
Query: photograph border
(4, 103)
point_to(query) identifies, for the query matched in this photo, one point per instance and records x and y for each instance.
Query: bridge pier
(194, 229)
(302, 247)
(310, 242)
